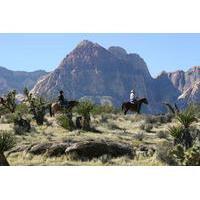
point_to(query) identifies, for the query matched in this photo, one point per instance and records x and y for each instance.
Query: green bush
(7, 141)
(162, 134)
(37, 106)
(187, 117)
(85, 108)
(163, 153)
(64, 122)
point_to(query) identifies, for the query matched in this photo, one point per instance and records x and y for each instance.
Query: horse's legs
(125, 112)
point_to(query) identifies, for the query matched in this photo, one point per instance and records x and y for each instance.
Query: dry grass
(112, 127)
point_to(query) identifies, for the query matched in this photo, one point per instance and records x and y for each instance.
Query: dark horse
(56, 107)
(134, 107)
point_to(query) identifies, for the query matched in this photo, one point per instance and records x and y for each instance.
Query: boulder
(57, 149)
(88, 150)
(40, 148)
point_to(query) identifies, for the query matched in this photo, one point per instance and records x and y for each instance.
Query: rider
(133, 97)
(62, 100)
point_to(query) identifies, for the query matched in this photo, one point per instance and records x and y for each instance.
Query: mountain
(91, 71)
(188, 83)
(17, 80)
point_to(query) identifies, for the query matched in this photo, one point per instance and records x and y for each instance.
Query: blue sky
(167, 52)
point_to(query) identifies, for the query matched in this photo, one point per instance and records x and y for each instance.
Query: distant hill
(17, 80)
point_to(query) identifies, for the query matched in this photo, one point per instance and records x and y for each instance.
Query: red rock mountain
(91, 71)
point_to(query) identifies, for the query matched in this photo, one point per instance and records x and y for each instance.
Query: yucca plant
(176, 132)
(187, 117)
(7, 141)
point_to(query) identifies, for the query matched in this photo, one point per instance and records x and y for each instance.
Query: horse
(56, 107)
(134, 107)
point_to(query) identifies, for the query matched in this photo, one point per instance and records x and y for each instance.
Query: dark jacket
(61, 98)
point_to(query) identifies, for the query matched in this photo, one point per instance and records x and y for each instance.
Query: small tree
(9, 103)
(37, 106)
(84, 108)
(7, 141)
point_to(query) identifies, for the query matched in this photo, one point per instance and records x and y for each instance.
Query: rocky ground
(115, 140)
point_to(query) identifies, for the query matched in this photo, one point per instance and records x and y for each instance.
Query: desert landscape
(93, 129)
(110, 138)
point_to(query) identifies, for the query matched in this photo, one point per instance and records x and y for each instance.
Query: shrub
(148, 127)
(162, 135)
(7, 141)
(192, 156)
(9, 103)
(187, 117)
(139, 136)
(176, 132)
(84, 108)
(21, 125)
(100, 109)
(37, 106)
(163, 153)
(64, 122)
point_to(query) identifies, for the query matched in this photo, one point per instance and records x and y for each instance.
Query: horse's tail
(50, 110)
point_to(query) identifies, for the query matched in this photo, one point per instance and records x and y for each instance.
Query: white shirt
(132, 96)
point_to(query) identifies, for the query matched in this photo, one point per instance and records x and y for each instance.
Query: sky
(169, 52)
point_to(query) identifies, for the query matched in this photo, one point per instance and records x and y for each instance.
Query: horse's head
(144, 100)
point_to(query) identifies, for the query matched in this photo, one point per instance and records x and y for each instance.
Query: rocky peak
(119, 52)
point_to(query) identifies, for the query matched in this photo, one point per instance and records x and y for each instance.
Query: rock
(22, 148)
(94, 149)
(40, 148)
(57, 149)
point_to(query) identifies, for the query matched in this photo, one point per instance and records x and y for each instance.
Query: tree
(37, 106)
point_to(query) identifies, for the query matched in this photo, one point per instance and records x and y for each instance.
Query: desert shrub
(176, 132)
(7, 141)
(192, 156)
(188, 157)
(100, 109)
(139, 136)
(113, 126)
(37, 106)
(150, 119)
(162, 134)
(148, 127)
(9, 103)
(85, 108)
(163, 153)
(64, 122)
(22, 108)
(104, 118)
(187, 117)
(182, 133)
(21, 125)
